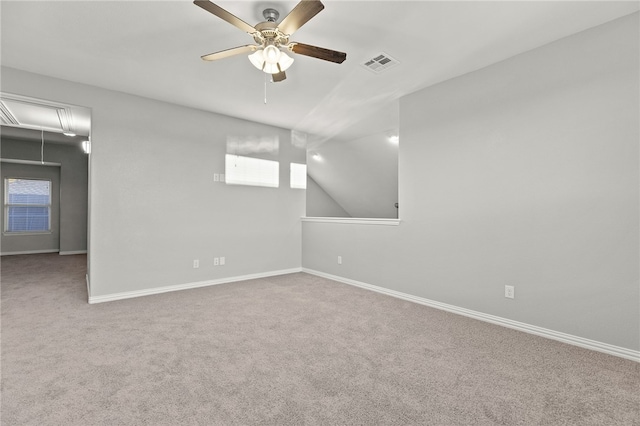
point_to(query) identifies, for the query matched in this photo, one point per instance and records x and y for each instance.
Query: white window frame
(7, 205)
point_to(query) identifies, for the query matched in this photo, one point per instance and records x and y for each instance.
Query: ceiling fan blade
(223, 14)
(317, 52)
(300, 15)
(230, 52)
(278, 76)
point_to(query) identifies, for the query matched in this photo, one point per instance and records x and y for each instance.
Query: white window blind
(27, 205)
(298, 176)
(251, 171)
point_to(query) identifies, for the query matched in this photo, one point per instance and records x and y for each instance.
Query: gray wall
(73, 189)
(154, 206)
(320, 204)
(523, 173)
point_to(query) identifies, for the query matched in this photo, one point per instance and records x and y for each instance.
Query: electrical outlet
(196, 263)
(222, 261)
(216, 261)
(509, 291)
(339, 260)
(216, 177)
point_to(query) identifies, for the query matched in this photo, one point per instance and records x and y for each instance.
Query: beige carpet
(289, 350)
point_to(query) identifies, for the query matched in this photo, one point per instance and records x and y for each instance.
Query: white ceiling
(153, 49)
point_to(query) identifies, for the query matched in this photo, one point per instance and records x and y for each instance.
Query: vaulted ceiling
(153, 49)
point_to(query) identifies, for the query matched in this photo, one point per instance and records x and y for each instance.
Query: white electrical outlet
(339, 260)
(196, 263)
(509, 291)
(216, 261)
(222, 261)
(216, 177)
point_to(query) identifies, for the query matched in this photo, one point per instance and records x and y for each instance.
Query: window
(251, 171)
(298, 176)
(27, 205)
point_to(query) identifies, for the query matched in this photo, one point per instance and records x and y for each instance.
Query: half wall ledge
(353, 220)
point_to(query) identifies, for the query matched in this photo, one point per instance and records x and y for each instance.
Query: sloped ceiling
(153, 49)
(360, 170)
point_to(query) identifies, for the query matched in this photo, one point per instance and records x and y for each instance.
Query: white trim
(24, 234)
(353, 220)
(88, 287)
(166, 289)
(29, 252)
(516, 325)
(30, 162)
(64, 112)
(67, 253)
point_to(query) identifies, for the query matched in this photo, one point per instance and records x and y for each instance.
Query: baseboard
(516, 325)
(61, 253)
(14, 253)
(166, 289)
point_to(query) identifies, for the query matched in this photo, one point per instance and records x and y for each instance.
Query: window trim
(7, 205)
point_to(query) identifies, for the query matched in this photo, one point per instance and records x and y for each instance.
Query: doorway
(47, 140)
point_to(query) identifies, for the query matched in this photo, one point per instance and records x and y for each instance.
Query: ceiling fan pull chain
(265, 88)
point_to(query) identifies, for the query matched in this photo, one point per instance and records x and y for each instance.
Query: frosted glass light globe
(271, 54)
(263, 59)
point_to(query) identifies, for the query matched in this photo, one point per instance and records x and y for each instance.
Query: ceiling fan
(272, 39)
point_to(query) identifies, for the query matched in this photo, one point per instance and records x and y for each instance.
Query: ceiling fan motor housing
(268, 33)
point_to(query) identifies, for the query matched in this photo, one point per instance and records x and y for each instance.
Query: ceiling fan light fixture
(285, 61)
(271, 54)
(263, 60)
(270, 68)
(257, 59)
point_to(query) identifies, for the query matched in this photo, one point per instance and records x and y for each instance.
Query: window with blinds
(251, 171)
(27, 205)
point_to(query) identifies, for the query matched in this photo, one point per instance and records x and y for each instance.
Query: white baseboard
(13, 253)
(166, 289)
(61, 253)
(516, 325)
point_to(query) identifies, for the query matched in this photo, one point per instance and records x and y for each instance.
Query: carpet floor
(288, 350)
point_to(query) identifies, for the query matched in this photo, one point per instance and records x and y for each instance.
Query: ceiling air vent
(380, 63)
